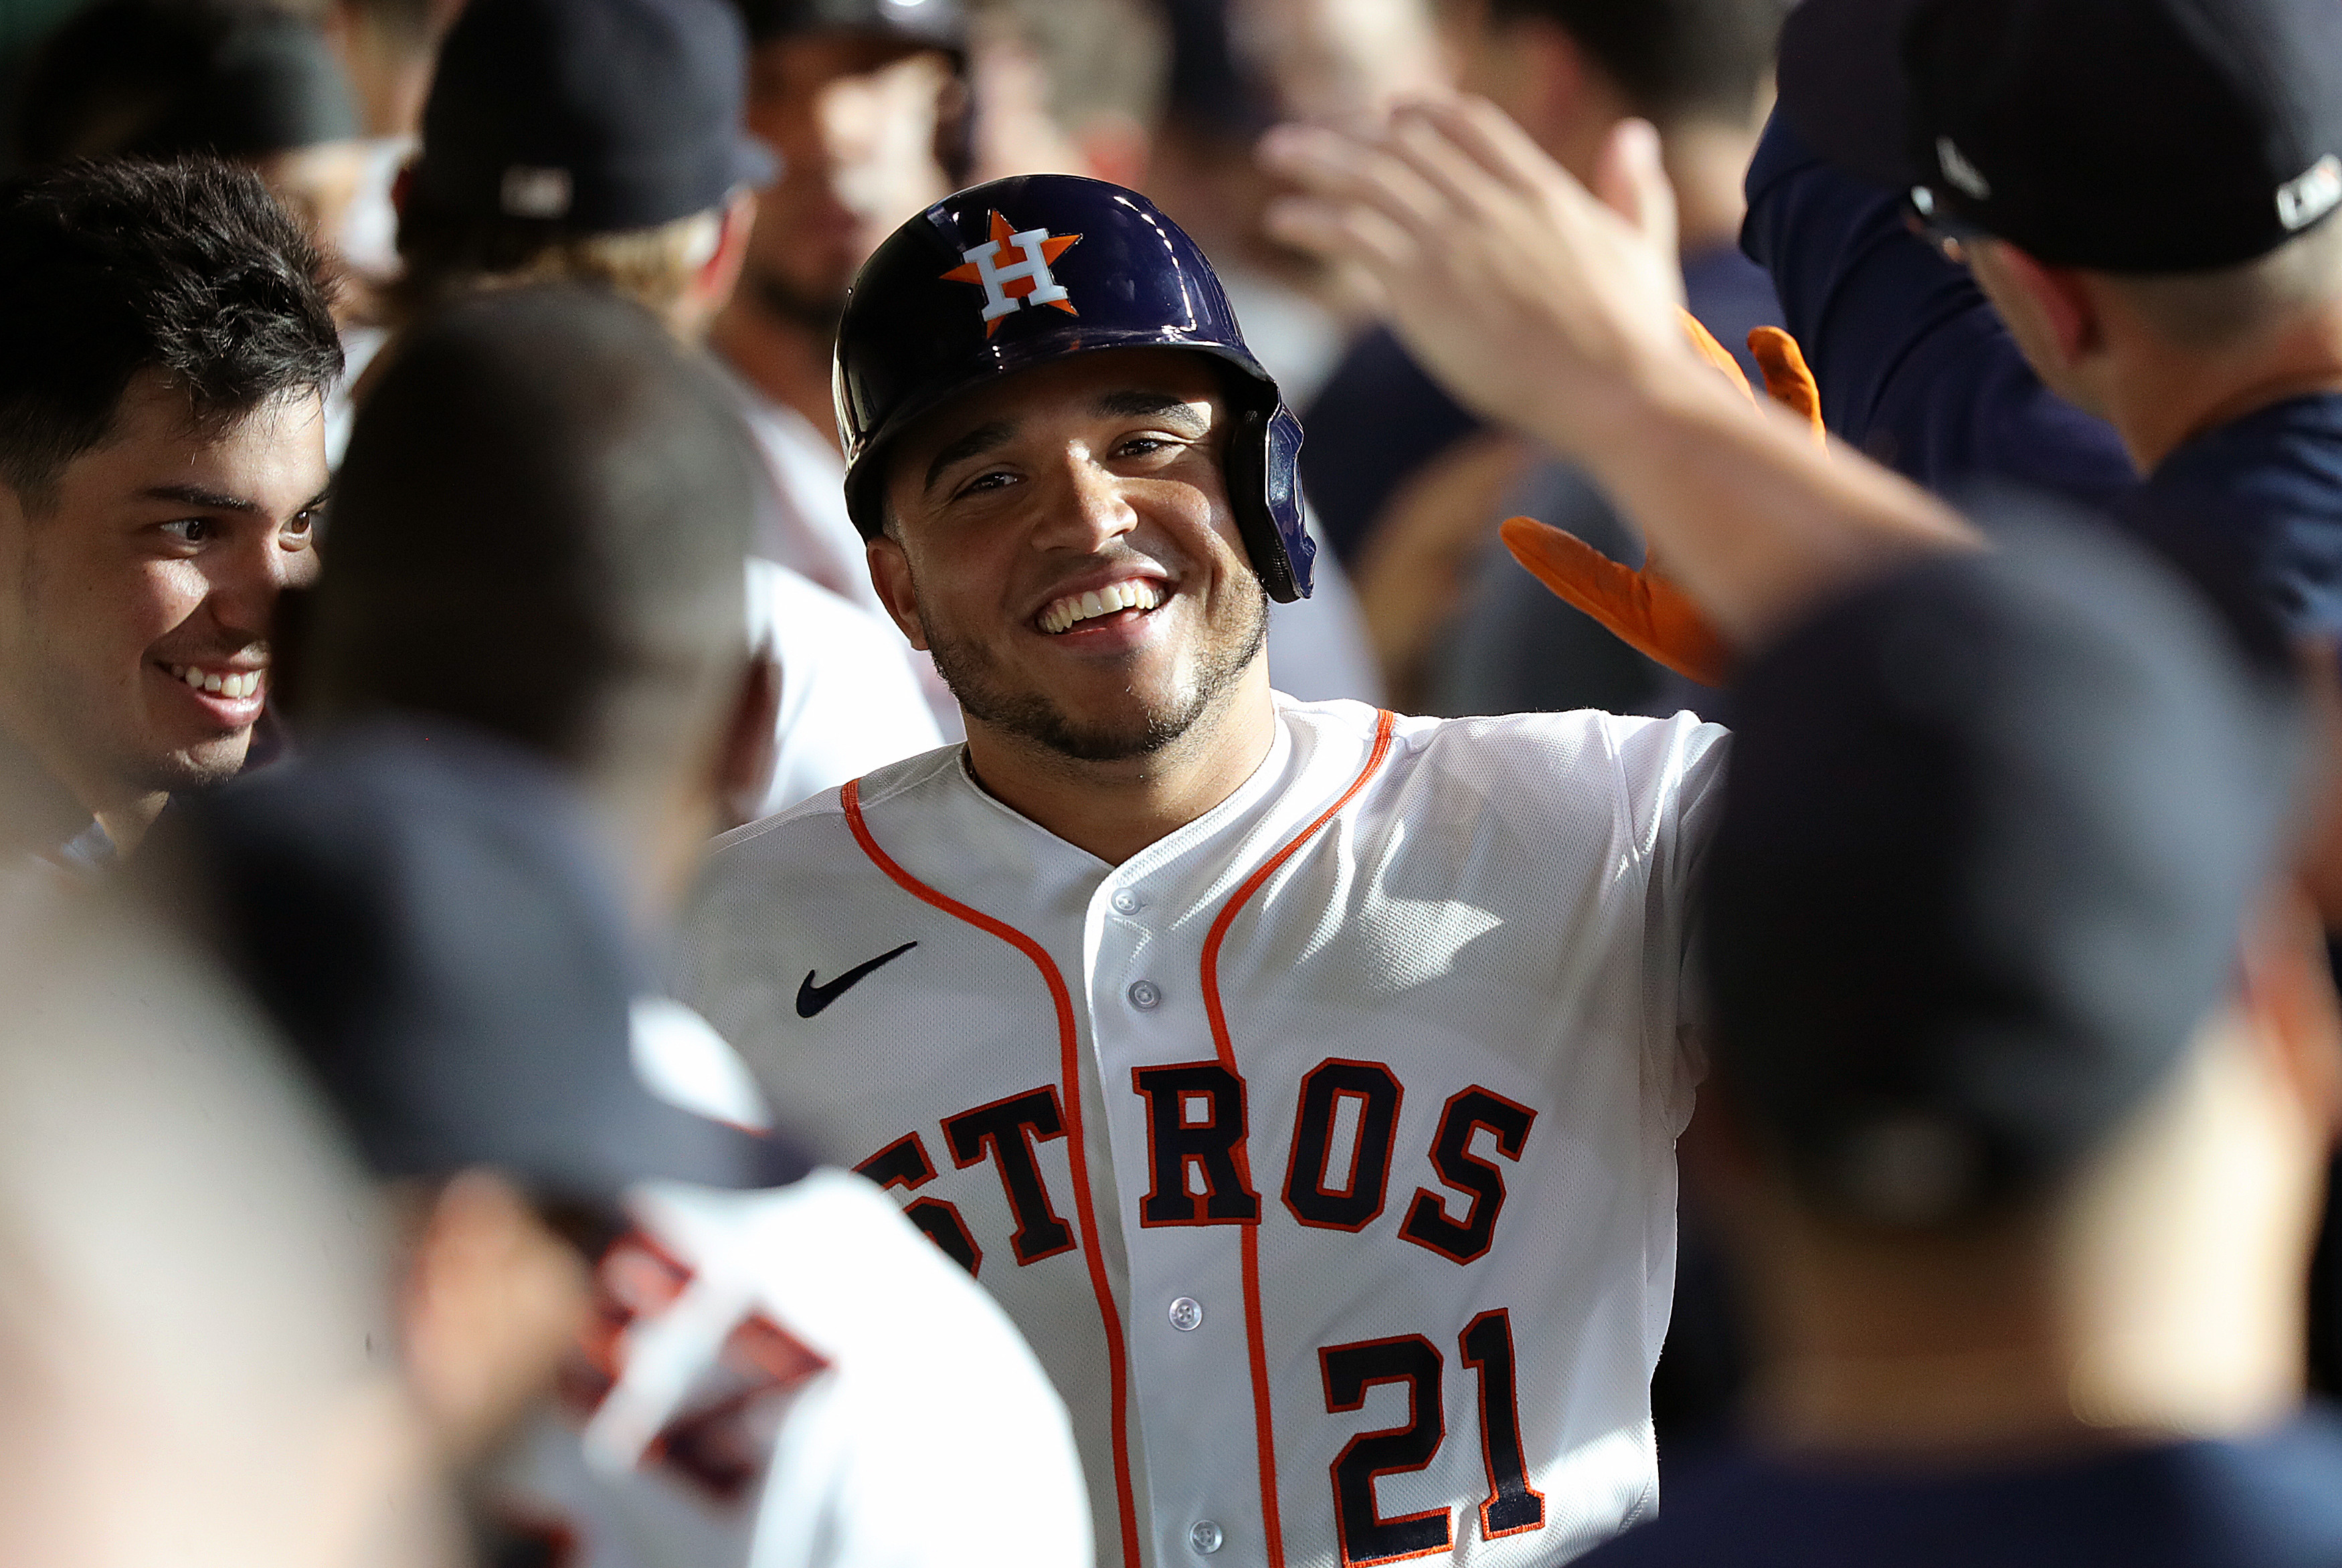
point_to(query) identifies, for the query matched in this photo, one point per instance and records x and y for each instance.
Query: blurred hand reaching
(1529, 296)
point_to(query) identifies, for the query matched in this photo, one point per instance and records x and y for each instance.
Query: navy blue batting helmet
(1025, 271)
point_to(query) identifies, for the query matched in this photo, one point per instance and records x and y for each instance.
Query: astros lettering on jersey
(1323, 1150)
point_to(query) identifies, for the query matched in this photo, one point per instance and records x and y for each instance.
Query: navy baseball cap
(1990, 834)
(2123, 135)
(600, 115)
(423, 914)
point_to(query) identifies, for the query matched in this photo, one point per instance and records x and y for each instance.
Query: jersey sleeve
(795, 1378)
(1914, 363)
(1674, 772)
(936, 1440)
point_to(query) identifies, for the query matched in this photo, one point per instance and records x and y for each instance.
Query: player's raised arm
(1555, 311)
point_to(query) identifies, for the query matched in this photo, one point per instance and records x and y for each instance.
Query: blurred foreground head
(2000, 1008)
(530, 674)
(194, 1329)
(540, 531)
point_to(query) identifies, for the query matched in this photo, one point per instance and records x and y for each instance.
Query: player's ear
(491, 1302)
(1553, 89)
(2286, 989)
(2055, 303)
(890, 574)
(720, 274)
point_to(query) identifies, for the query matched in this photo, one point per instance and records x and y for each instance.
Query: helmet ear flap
(1264, 490)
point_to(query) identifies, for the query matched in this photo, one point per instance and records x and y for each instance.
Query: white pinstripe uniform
(1323, 1150)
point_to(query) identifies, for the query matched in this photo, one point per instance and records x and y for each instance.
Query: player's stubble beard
(976, 678)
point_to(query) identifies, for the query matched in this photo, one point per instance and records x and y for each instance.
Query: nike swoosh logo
(813, 998)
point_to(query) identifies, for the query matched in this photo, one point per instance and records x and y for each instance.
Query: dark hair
(1674, 59)
(545, 516)
(109, 269)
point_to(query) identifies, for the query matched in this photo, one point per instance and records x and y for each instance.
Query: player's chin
(202, 762)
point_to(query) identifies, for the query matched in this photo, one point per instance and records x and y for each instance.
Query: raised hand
(1526, 294)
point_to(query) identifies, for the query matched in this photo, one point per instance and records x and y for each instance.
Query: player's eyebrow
(975, 444)
(197, 496)
(1150, 405)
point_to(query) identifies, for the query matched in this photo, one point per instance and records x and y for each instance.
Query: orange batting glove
(1645, 609)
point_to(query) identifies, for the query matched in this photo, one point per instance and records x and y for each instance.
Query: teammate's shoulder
(1580, 731)
(1580, 765)
(813, 824)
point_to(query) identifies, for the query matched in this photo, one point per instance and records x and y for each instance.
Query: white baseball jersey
(802, 522)
(1323, 1150)
(790, 1379)
(849, 700)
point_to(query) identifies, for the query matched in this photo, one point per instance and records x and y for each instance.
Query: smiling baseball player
(1302, 1079)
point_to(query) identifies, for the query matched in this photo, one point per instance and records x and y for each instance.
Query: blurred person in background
(164, 79)
(599, 141)
(1213, 108)
(387, 49)
(1067, 87)
(864, 105)
(2028, 1086)
(1458, 626)
(645, 1329)
(1238, 67)
(160, 479)
(194, 1333)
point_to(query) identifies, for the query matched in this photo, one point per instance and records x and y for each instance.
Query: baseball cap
(937, 22)
(2123, 135)
(171, 78)
(601, 116)
(424, 916)
(1990, 833)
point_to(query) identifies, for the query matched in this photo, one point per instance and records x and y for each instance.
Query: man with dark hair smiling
(165, 342)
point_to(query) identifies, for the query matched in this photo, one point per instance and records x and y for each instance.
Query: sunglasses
(1949, 236)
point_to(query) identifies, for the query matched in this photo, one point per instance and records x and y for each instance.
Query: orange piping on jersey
(1069, 1052)
(1265, 1440)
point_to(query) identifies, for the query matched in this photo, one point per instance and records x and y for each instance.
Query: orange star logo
(1013, 285)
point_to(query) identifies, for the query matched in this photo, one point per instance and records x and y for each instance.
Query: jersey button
(1146, 995)
(1126, 902)
(1186, 1314)
(1207, 1536)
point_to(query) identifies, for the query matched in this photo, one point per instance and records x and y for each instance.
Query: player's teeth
(193, 676)
(1133, 595)
(213, 683)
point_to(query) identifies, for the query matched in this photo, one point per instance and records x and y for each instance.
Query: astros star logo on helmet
(1026, 281)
